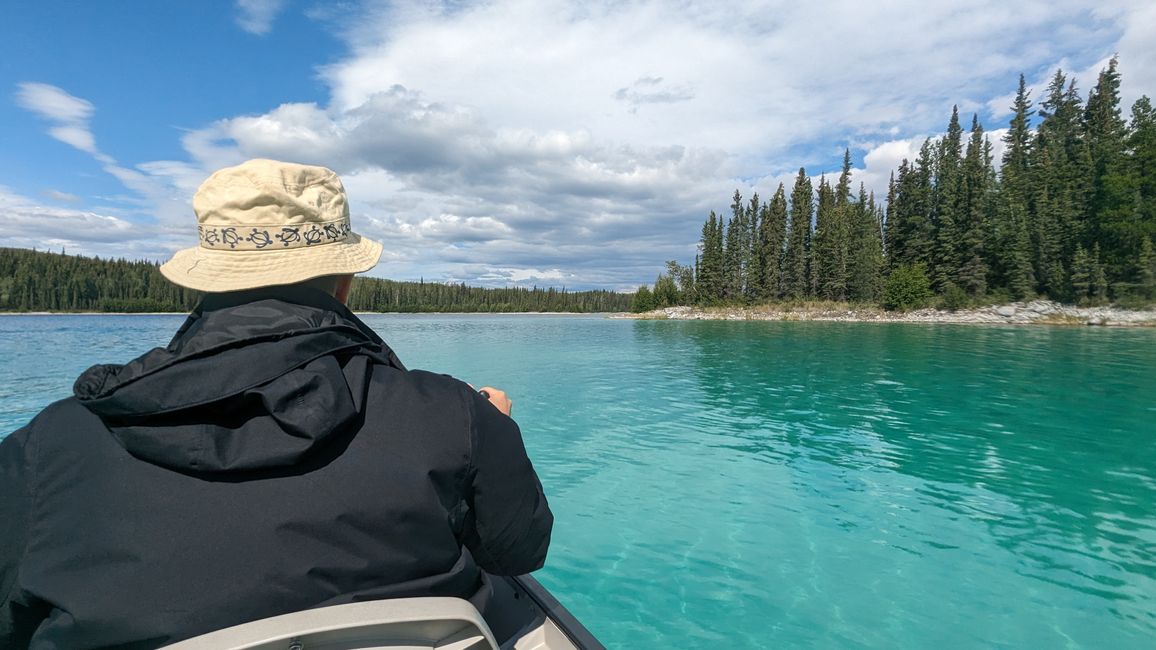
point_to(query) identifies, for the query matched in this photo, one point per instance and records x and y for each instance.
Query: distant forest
(1070, 214)
(40, 281)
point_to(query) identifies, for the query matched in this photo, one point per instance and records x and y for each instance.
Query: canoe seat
(396, 624)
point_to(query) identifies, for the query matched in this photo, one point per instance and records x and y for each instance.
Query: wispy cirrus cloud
(256, 16)
(68, 115)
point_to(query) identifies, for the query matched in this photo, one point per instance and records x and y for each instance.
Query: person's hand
(498, 398)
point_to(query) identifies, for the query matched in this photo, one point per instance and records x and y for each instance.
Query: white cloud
(63, 197)
(54, 104)
(160, 189)
(256, 16)
(562, 141)
(69, 115)
(27, 220)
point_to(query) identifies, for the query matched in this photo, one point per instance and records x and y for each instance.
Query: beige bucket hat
(265, 223)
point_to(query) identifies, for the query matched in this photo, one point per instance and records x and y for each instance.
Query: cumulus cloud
(543, 141)
(256, 16)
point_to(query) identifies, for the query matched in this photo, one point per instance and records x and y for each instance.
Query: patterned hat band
(255, 238)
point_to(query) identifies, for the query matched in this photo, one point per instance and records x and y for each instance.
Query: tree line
(41, 281)
(1069, 214)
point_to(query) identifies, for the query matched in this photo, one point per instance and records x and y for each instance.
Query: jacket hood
(252, 380)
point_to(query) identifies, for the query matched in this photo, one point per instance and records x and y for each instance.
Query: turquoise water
(796, 485)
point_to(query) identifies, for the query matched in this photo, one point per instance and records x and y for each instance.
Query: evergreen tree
(643, 300)
(1081, 275)
(866, 250)
(795, 280)
(36, 280)
(974, 202)
(1144, 271)
(733, 259)
(915, 203)
(1099, 278)
(828, 258)
(1142, 145)
(752, 257)
(1008, 241)
(889, 222)
(1111, 203)
(843, 224)
(1021, 278)
(948, 238)
(1060, 173)
(710, 267)
(773, 239)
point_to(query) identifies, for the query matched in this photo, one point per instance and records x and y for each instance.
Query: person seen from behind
(276, 456)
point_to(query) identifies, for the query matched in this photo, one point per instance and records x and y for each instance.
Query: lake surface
(795, 485)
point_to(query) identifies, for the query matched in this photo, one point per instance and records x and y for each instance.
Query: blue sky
(509, 142)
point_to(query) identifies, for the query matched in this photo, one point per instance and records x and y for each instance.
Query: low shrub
(907, 288)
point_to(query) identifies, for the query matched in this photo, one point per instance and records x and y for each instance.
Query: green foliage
(795, 260)
(1070, 213)
(666, 293)
(955, 298)
(643, 300)
(710, 268)
(907, 288)
(683, 277)
(33, 281)
(373, 294)
(1081, 275)
(39, 281)
(865, 254)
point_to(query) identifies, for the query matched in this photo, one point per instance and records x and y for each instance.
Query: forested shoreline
(1069, 215)
(41, 281)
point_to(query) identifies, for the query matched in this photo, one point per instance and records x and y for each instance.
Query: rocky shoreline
(1039, 312)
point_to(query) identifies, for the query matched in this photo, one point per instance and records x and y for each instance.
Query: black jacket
(276, 456)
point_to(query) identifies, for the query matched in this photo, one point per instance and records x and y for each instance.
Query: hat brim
(225, 270)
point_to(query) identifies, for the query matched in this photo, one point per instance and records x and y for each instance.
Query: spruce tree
(920, 230)
(889, 221)
(752, 258)
(1142, 145)
(1008, 238)
(732, 260)
(710, 266)
(1099, 277)
(795, 280)
(945, 216)
(1081, 275)
(1111, 204)
(1061, 179)
(773, 237)
(974, 201)
(866, 251)
(1144, 271)
(826, 258)
(735, 251)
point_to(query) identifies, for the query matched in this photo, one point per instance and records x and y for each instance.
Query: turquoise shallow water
(801, 485)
